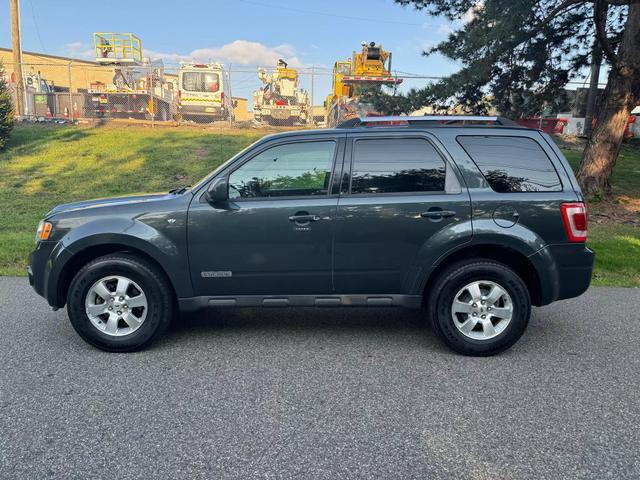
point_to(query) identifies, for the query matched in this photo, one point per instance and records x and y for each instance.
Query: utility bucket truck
(370, 68)
(138, 88)
(280, 101)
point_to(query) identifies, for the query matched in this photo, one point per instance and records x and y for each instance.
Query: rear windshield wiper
(180, 190)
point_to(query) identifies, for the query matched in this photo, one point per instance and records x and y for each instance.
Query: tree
(518, 55)
(6, 110)
(621, 95)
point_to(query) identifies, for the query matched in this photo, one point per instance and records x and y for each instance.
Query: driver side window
(295, 169)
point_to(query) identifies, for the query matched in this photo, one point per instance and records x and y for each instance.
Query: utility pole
(313, 75)
(16, 46)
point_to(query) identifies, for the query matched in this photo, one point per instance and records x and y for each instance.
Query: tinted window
(396, 165)
(286, 170)
(512, 164)
(201, 81)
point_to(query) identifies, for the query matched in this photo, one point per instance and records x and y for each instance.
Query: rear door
(402, 205)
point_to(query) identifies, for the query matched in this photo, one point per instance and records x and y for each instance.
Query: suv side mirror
(218, 191)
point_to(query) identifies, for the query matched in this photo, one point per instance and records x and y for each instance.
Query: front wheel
(479, 307)
(120, 303)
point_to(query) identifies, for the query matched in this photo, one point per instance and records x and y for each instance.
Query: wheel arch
(506, 255)
(91, 252)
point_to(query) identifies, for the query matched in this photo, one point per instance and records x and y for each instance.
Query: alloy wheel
(482, 310)
(116, 305)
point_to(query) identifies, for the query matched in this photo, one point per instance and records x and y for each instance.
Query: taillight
(574, 216)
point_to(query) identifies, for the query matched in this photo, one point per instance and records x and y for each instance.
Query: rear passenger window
(396, 165)
(512, 164)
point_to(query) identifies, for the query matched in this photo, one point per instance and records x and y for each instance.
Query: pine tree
(6, 111)
(518, 55)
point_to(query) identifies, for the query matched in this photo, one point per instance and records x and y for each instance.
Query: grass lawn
(45, 165)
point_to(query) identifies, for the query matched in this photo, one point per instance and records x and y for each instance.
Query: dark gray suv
(471, 218)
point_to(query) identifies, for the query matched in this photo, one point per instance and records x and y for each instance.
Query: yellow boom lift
(370, 67)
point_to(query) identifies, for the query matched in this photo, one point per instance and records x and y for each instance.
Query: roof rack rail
(427, 119)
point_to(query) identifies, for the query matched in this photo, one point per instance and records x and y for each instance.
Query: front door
(402, 206)
(274, 237)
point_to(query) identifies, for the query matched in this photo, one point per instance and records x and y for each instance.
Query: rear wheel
(120, 303)
(479, 307)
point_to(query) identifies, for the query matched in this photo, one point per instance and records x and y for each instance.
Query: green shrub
(6, 110)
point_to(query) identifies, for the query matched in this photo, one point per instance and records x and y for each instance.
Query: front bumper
(44, 271)
(30, 275)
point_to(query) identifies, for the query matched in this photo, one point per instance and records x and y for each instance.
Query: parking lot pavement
(307, 393)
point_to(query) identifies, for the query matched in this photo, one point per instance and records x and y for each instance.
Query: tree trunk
(592, 97)
(621, 95)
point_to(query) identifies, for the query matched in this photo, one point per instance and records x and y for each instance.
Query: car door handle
(304, 218)
(438, 214)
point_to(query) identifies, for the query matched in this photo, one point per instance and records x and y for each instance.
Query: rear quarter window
(512, 164)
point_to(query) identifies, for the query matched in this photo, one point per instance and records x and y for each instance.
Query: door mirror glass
(218, 191)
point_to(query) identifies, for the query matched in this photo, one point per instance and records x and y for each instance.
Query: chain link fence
(209, 95)
(212, 94)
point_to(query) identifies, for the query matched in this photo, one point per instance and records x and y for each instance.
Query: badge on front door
(216, 274)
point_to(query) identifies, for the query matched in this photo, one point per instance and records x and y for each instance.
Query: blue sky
(241, 32)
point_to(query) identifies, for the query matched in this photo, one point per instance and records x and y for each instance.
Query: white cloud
(244, 52)
(79, 50)
(238, 52)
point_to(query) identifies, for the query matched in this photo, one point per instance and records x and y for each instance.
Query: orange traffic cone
(49, 112)
(66, 112)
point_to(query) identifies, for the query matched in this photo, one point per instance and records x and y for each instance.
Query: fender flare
(519, 240)
(128, 234)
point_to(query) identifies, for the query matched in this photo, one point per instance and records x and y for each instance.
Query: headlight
(44, 231)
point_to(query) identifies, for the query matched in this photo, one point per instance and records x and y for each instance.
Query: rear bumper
(201, 110)
(279, 114)
(568, 268)
(575, 267)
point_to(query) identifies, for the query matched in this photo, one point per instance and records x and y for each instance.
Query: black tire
(156, 287)
(457, 276)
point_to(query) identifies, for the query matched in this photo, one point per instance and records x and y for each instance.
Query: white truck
(204, 92)
(280, 101)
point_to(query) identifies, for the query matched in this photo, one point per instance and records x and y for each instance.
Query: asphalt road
(329, 394)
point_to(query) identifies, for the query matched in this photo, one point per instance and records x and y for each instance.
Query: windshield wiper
(180, 190)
